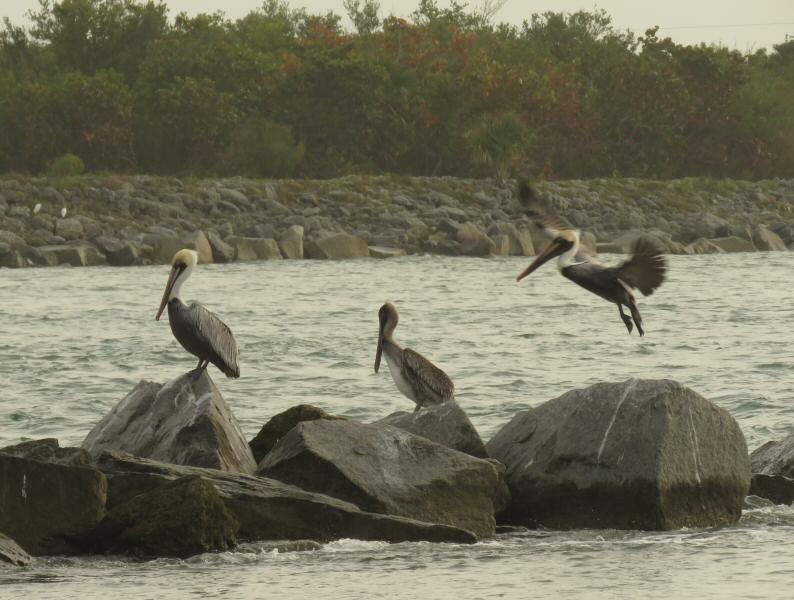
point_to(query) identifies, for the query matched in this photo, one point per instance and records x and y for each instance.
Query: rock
(384, 252)
(642, 454)
(11, 553)
(12, 240)
(221, 251)
(69, 229)
(185, 422)
(181, 518)
(767, 240)
(291, 242)
(469, 232)
(278, 426)
(48, 508)
(520, 241)
(118, 253)
(733, 244)
(588, 241)
(82, 255)
(446, 424)
(387, 470)
(482, 247)
(246, 248)
(48, 450)
(704, 246)
(165, 246)
(777, 488)
(197, 240)
(270, 510)
(501, 245)
(774, 458)
(11, 259)
(337, 246)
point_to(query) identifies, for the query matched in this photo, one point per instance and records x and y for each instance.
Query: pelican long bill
(379, 351)
(175, 272)
(554, 248)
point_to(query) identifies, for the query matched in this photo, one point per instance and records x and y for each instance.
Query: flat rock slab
(446, 424)
(267, 509)
(337, 246)
(47, 508)
(185, 422)
(11, 553)
(642, 454)
(387, 470)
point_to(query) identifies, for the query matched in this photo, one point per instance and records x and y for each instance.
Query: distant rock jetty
(140, 220)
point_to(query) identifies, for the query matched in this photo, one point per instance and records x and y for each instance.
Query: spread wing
(216, 336)
(431, 380)
(542, 215)
(646, 268)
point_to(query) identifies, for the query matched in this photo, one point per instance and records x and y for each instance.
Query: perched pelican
(416, 377)
(198, 330)
(644, 271)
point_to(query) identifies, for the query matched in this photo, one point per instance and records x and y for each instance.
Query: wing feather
(542, 215)
(433, 381)
(647, 267)
(216, 335)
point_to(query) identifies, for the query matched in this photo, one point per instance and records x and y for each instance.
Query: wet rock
(184, 422)
(384, 252)
(337, 246)
(704, 246)
(166, 246)
(221, 251)
(520, 241)
(181, 518)
(291, 242)
(642, 454)
(11, 259)
(777, 488)
(271, 510)
(246, 248)
(481, 247)
(767, 240)
(69, 229)
(387, 470)
(446, 424)
(48, 450)
(47, 508)
(501, 245)
(82, 255)
(279, 425)
(775, 458)
(733, 244)
(118, 253)
(11, 553)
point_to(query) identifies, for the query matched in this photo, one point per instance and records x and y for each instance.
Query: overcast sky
(740, 24)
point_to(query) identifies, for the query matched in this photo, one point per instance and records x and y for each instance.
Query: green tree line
(448, 91)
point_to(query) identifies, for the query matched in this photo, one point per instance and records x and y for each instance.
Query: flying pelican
(645, 270)
(198, 330)
(416, 377)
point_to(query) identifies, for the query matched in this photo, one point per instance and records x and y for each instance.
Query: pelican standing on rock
(644, 271)
(416, 377)
(198, 330)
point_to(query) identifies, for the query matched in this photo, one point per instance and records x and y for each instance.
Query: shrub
(65, 166)
(261, 148)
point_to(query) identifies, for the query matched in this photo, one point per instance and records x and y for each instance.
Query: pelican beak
(379, 351)
(549, 252)
(175, 271)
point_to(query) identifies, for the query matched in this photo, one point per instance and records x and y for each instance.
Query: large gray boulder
(290, 242)
(76, 255)
(733, 244)
(387, 470)
(642, 454)
(774, 458)
(11, 553)
(185, 422)
(118, 253)
(48, 508)
(767, 240)
(446, 424)
(221, 251)
(250, 248)
(279, 425)
(271, 510)
(337, 246)
(520, 242)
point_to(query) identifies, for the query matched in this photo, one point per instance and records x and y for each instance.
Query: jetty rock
(384, 469)
(48, 507)
(266, 509)
(279, 425)
(11, 553)
(184, 422)
(773, 471)
(642, 454)
(446, 424)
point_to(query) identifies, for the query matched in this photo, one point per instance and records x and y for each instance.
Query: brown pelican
(645, 270)
(416, 377)
(198, 330)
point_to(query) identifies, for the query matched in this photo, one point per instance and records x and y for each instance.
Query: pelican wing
(539, 211)
(428, 378)
(646, 268)
(216, 336)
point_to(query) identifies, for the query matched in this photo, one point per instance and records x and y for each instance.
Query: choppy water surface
(74, 341)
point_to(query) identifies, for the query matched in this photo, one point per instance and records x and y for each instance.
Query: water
(74, 341)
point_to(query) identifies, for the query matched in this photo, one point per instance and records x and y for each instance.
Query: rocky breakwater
(133, 220)
(773, 471)
(642, 454)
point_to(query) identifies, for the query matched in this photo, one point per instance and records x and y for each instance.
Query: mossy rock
(278, 426)
(179, 519)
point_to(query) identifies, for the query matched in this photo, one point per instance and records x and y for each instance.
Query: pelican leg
(635, 314)
(200, 368)
(626, 318)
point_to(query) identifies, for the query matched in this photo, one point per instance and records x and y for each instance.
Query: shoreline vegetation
(138, 220)
(124, 86)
